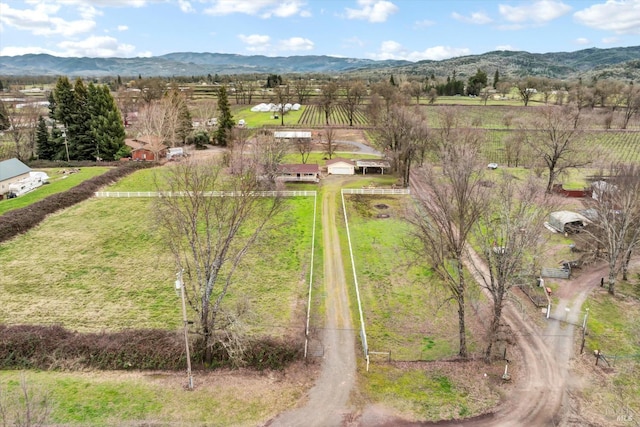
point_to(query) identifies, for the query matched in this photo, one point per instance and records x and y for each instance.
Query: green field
(100, 265)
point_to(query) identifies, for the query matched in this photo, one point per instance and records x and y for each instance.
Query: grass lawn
(57, 184)
(401, 300)
(100, 265)
(258, 119)
(99, 399)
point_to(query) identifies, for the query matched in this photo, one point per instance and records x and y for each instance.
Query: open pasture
(100, 265)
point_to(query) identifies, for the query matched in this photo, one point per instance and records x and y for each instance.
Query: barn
(148, 148)
(340, 166)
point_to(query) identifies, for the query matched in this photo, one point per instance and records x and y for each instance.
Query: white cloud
(610, 40)
(393, 50)
(582, 41)
(122, 28)
(96, 46)
(479, 18)
(538, 12)
(505, 47)
(41, 21)
(185, 6)
(256, 42)
(353, 42)
(295, 44)
(263, 8)
(372, 10)
(621, 17)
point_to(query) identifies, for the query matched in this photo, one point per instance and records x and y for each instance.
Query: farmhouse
(298, 173)
(372, 166)
(11, 171)
(146, 148)
(340, 166)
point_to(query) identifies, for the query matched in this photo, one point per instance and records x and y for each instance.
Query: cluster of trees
(85, 124)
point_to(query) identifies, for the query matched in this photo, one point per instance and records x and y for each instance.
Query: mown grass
(321, 158)
(101, 265)
(107, 399)
(258, 119)
(400, 297)
(57, 184)
(427, 394)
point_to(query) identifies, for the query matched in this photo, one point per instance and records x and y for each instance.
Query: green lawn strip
(426, 394)
(400, 314)
(106, 399)
(57, 184)
(140, 180)
(100, 266)
(260, 118)
(613, 326)
(320, 158)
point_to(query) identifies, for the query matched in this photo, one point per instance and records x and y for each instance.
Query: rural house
(340, 166)
(11, 171)
(298, 173)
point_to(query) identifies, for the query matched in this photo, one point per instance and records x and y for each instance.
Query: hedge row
(56, 348)
(21, 220)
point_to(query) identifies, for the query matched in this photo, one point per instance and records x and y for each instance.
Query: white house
(340, 166)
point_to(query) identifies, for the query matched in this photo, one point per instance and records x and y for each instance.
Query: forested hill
(620, 63)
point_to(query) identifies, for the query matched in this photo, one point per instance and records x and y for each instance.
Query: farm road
(328, 400)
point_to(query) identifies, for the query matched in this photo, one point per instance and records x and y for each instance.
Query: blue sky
(377, 29)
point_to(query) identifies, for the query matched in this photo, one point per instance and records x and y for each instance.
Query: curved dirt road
(539, 397)
(328, 400)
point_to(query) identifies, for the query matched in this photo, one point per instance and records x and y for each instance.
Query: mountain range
(620, 63)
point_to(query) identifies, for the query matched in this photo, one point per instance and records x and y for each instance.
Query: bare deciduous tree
(354, 92)
(209, 236)
(27, 406)
(507, 235)
(555, 137)
(631, 103)
(328, 100)
(22, 130)
(450, 207)
(329, 141)
(615, 218)
(269, 152)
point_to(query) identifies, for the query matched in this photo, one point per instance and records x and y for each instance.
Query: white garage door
(341, 171)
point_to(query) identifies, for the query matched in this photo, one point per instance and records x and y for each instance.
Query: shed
(567, 221)
(340, 166)
(11, 171)
(372, 166)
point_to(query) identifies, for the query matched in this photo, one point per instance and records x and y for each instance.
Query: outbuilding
(340, 166)
(567, 221)
(11, 171)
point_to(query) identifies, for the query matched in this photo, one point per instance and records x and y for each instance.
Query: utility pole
(180, 285)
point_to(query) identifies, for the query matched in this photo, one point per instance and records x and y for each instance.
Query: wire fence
(138, 194)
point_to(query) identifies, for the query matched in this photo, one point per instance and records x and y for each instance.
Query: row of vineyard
(313, 116)
(507, 148)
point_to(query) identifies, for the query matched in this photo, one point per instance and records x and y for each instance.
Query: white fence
(126, 194)
(383, 191)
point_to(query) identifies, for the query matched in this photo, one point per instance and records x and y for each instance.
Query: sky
(412, 30)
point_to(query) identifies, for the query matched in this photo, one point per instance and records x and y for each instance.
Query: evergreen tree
(225, 119)
(82, 145)
(496, 79)
(64, 102)
(392, 82)
(106, 124)
(1, 86)
(44, 146)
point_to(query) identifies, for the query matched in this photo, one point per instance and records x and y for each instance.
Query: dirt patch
(381, 206)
